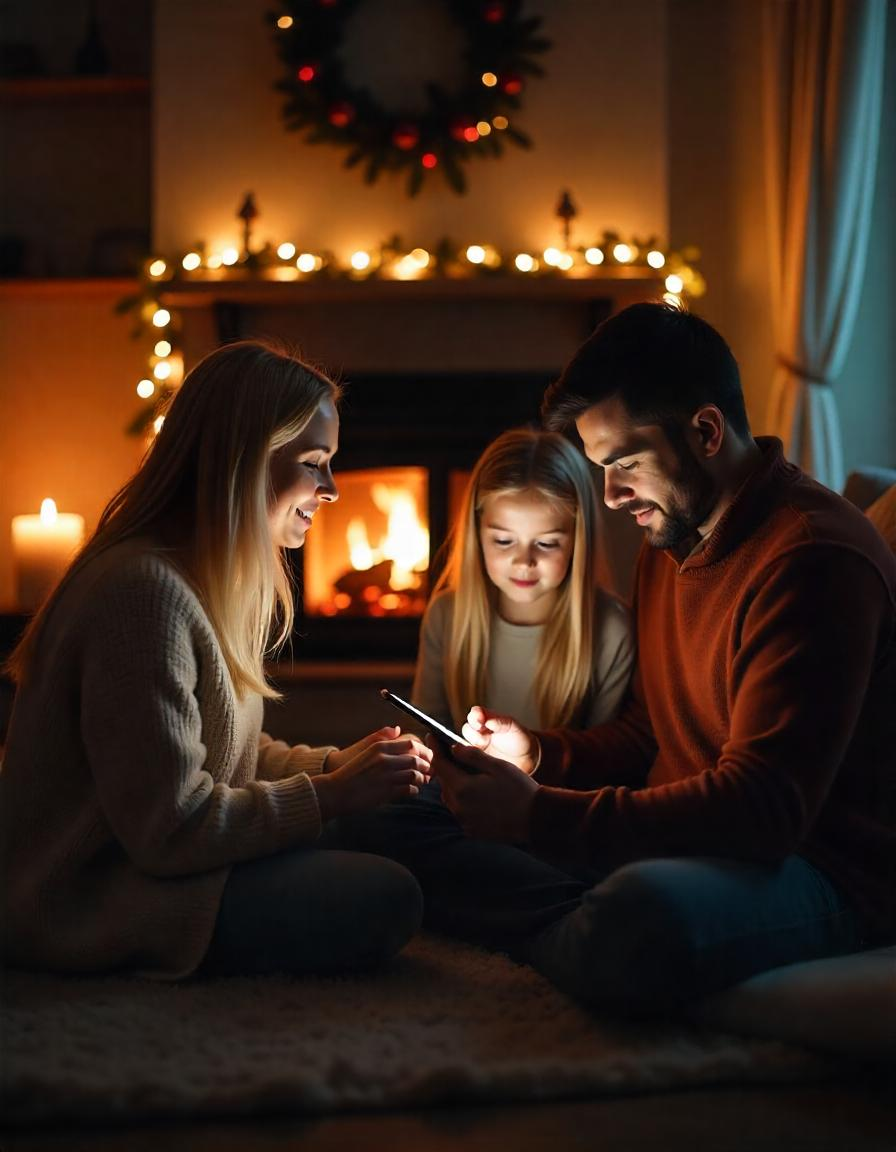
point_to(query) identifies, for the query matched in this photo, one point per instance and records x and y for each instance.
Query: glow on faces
(301, 479)
(527, 542)
(644, 475)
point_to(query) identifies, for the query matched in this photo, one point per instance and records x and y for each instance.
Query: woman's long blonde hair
(208, 472)
(546, 463)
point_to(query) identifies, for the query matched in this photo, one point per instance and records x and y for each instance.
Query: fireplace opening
(407, 445)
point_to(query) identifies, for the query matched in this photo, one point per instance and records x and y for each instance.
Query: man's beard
(692, 497)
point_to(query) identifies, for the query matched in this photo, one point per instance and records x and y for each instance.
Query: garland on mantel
(476, 119)
(391, 260)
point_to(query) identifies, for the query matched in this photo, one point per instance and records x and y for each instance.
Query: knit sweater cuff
(296, 811)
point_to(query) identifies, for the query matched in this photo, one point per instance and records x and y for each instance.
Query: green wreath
(453, 127)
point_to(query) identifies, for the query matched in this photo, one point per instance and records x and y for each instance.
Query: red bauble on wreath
(448, 130)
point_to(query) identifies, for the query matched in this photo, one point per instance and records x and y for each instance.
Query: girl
(146, 821)
(516, 623)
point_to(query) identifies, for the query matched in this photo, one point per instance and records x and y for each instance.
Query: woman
(146, 821)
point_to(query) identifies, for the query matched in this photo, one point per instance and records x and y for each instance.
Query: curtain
(823, 69)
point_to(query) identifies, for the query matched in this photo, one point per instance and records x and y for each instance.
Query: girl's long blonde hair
(546, 463)
(208, 473)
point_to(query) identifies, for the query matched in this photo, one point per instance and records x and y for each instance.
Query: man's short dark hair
(661, 361)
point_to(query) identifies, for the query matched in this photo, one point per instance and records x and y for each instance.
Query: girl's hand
(383, 766)
(503, 737)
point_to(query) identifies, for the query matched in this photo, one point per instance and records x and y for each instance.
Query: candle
(42, 548)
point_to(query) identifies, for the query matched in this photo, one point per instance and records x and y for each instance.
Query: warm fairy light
(565, 262)
(552, 256)
(163, 348)
(360, 261)
(672, 298)
(500, 122)
(307, 262)
(284, 22)
(655, 259)
(674, 284)
(286, 251)
(215, 260)
(191, 261)
(420, 257)
(305, 74)
(162, 370)
(145, 389)
(476, 254)
(158, 268)
(483, 127)
(429, 159)
(161, 317)
(623, 253)
(594, 256)
(229, 256)
(489, 79)
(525, 262)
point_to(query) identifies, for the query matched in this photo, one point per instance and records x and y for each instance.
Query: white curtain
(823, 76)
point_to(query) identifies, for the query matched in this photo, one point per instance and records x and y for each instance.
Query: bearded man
(740, 812)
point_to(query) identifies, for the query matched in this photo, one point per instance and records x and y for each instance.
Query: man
(740, 813)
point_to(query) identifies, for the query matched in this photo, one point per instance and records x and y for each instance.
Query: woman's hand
(503, 737)
(383, 766)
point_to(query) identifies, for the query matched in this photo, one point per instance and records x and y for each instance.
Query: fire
(405, 544)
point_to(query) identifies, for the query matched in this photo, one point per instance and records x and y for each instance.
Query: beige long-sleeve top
(512, 658)
(134, 777)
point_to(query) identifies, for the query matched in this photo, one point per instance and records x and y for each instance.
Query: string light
(285, 22)
(167, 368)
(500, 122)
(489, 79)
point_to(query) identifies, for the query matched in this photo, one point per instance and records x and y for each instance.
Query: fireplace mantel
(621, 285)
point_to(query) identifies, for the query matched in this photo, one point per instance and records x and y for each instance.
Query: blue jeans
(315, 910)
(648, 938)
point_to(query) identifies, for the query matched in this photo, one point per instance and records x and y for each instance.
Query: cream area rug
(443, 1023)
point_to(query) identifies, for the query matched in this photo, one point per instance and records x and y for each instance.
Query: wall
(66, 395)
(597, 119)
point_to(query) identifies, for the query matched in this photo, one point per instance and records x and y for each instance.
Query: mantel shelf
(74, 89)
(619, 284)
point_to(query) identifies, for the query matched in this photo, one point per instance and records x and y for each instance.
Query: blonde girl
(147, 824)
(516, 623)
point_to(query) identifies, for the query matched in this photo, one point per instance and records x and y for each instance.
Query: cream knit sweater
(134, 777)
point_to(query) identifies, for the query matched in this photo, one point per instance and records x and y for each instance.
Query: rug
(443, 1023)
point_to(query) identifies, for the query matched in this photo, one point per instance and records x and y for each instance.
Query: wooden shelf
(619, 284)
(21, 90)
(71, 286)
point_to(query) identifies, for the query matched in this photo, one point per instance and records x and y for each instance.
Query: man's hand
(492, 803)
(381, 767)
(502, 736)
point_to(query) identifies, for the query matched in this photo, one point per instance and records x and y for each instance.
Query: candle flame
(48, 513)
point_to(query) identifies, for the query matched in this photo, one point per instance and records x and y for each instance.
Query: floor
(859, 1116)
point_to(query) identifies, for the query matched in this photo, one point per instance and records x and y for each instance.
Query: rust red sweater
(762, 716)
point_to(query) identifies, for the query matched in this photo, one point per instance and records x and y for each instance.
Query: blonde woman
(147, 824)
(516, 623)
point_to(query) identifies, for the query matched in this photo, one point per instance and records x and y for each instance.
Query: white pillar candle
(42, 548)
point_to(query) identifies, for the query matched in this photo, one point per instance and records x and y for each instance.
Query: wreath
(443, 136)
